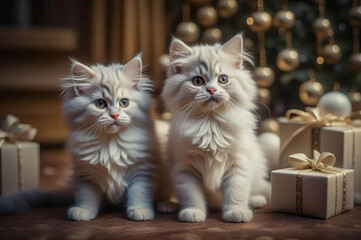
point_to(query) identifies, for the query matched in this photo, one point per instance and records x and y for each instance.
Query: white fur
(113, 157)
(213, 146)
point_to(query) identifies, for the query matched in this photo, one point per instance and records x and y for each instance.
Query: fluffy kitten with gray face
(215, 159)
(112, 139)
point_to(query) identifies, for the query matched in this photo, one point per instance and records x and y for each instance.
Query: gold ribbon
(313, 119)
(12, 130)
(320, 162)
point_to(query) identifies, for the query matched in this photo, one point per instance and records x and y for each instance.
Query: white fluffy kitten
(215, 158)
(112, 141)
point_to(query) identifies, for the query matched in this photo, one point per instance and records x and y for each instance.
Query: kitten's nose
(114, 115)
(211, 90)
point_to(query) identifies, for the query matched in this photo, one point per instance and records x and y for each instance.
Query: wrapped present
(313, 187)
(19, 158)
(307, 131)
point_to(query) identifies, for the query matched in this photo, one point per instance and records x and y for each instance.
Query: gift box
(19, 159)
(342, 139)
(315, 190)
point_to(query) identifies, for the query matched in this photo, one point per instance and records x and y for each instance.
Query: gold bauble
(355, 98)
(284, 19)
(265, 95)
(264, 76)
(227, 8)
(206, 16)
(288, 60)
(259, 21)
(164, 60)
(199, 2)
(212, 35)
(355, 62)
(321, 27)
(354, 16)
(309, 92)
(331, 53)
(188, 32)
(269, 125)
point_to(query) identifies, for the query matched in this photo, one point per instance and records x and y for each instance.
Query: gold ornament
(269, 125)
(264, 76)
(355, 62)
(309, 92)
(164, 60)
(288, 60)
(259, 21)
(331, 53)
(188, 32)
(227, 8)
(199, 2)
(284, 19)
(321, 27)
(354, 16)
(248, 43)
(265, 95)
(206, 16)
(355, 98)
(212, 35)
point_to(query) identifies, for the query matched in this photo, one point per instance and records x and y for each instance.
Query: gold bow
(12, 131)
(314, 119)
(319, 161)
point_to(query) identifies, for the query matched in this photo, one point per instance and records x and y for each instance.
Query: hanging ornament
(310, 91)
(164, 60)
(331, 53)
(187, 31)
(354, 16)
(259, 21)
(264, 76)
(355, 99)
(212, 35)
(355, 62)
(336, 103)
(284, 19)
(269, 125)
(265, 95)
(227, 8)
(321, 27)
(288, 60)
(206, 16)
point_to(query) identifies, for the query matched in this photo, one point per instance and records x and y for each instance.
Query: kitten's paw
(191, 215)
(258, 201)
(140, 214)
(80, 214)
(167, 207)
(237, 215)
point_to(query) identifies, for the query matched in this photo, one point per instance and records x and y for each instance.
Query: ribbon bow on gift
(12, 131)
(314, 119)
(319, 161)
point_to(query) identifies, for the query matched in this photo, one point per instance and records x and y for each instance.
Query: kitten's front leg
(236, 192)
(140, 199)
(191, 199)
(87, 201)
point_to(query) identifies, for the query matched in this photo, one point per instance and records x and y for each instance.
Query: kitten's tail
(26, 200)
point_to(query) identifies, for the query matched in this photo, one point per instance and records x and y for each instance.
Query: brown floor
(50, 223)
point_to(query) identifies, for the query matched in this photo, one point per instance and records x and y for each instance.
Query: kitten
(112, 141)
(214, 155)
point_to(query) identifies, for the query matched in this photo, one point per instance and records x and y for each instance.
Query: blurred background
(301, 49)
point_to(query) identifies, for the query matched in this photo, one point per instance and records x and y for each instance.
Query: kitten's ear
(133, 71)
(178, 49)
(80, 72)
(234, 47)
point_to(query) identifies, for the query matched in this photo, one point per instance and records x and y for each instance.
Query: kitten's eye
(223, 79)
(198, 81)
(100, 103)
(124, 102)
